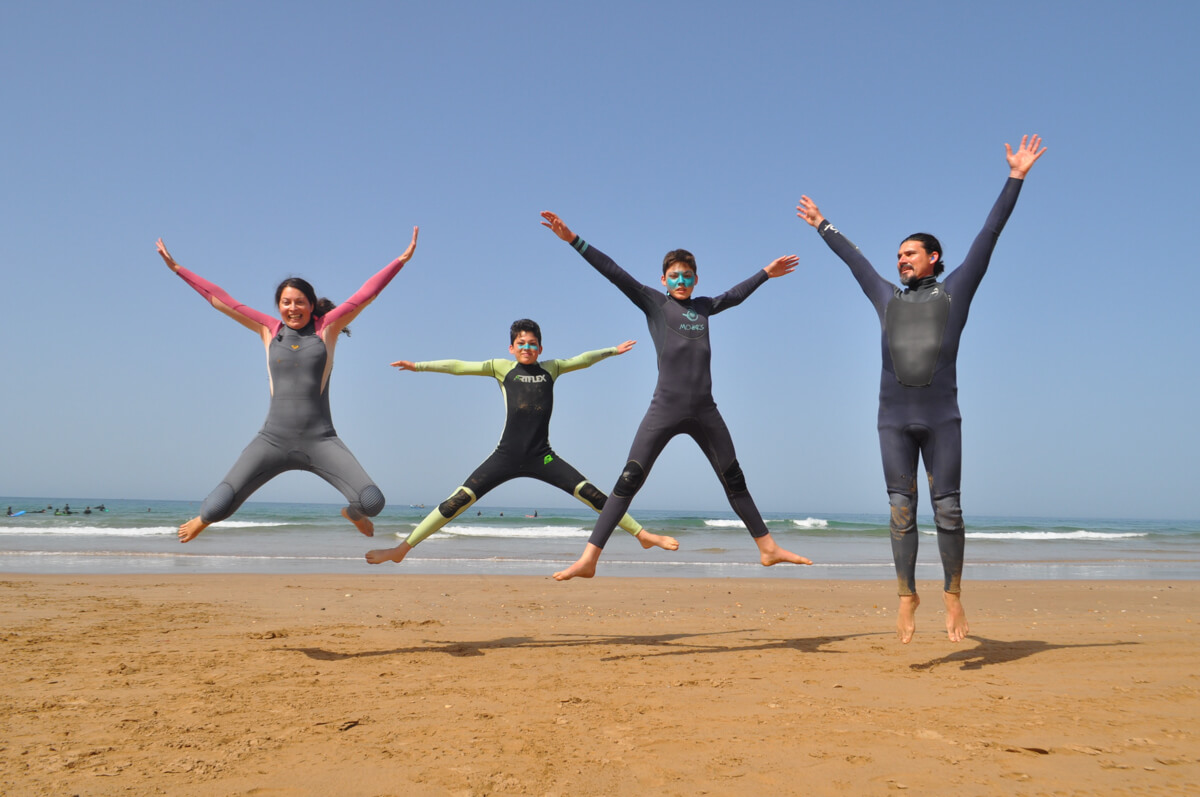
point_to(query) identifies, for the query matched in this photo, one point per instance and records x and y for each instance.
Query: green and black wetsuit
(524, 447)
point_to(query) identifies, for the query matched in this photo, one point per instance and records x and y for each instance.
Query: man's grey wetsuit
(918, 389)
(683, 401)
(524, 447)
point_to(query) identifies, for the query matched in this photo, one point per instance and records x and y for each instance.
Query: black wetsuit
(918, 389)
(682, 401)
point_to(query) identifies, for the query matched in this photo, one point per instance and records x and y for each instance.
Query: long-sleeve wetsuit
(298, 433)
(683, 401)
(524, 447)
(918, 389)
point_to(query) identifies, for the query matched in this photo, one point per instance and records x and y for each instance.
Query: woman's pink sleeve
(370, 289)
(213, 292)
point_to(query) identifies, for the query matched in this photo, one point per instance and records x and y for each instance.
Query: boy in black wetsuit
(683, 401)
(918, 388)
(524, 448)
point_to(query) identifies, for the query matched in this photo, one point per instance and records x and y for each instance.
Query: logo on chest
(530, 379)
(691, 321)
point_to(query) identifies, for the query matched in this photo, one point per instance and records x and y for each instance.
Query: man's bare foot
(906, 617)
(191, 530)
(584, 567)
(769, 553)
(956, 618)
(363, 524)
(381, 555)
(651, 540)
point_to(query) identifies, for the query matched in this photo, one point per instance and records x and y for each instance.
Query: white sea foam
(1051, 535)
(93, 531)
(540, 532)
(811, 523)
(725, 524)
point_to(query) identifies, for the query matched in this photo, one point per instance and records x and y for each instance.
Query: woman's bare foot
(649, 539)
(191, 530)
(584, 567)
(956, 618)
(381, 555)
(769, 553)
(363, 524)
(906, 617)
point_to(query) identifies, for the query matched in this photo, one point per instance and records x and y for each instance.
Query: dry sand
(494, 685)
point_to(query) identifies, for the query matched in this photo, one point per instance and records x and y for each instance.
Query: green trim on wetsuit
(524, 447)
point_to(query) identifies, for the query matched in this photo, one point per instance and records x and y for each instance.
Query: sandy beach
(390, 684)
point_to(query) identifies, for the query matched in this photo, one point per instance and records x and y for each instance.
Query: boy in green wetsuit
(524, 448)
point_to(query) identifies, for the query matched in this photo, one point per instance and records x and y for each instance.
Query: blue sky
(266, 139)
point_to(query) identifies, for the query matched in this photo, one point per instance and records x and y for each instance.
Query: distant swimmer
(298, 433)
(682, 402)
(524, 448)
(921, 324)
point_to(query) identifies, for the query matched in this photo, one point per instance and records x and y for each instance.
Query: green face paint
(677, 279)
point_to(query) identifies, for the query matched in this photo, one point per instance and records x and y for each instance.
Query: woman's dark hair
(320, 306)
(679, 256)
(931, 245)
(524, 325)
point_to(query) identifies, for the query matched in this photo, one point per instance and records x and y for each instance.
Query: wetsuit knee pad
(372, 501)
(456, 503)
(588, 492)
(947, 513)
(219, 504)
(904, 512)
(631, 480)
(734, 479)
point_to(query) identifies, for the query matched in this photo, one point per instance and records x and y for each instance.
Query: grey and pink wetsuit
(298, 433)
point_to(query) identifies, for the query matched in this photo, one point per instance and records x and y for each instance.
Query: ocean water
(135, 536)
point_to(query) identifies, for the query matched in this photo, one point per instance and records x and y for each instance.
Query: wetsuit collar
(923, 284)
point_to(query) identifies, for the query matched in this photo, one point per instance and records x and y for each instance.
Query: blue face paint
(528, 346)
(677, 279)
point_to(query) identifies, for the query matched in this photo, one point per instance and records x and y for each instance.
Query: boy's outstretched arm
(590, 358)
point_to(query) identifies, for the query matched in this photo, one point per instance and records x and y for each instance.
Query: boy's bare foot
(651, 540)
(363, 524)
(381, 555)
(191, 530)
(956, 618)
(584, 567)
(906, 617)
(769, 553)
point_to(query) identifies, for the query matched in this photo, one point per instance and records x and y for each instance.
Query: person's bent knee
(904, 512)
(587, 492)
(456, 503)
(371, 501)
(947, 514)
(733, 479)
(631, 480)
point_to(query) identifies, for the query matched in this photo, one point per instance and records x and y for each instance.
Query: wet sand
(390, 684)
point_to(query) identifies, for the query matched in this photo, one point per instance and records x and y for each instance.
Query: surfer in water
(298, 433)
